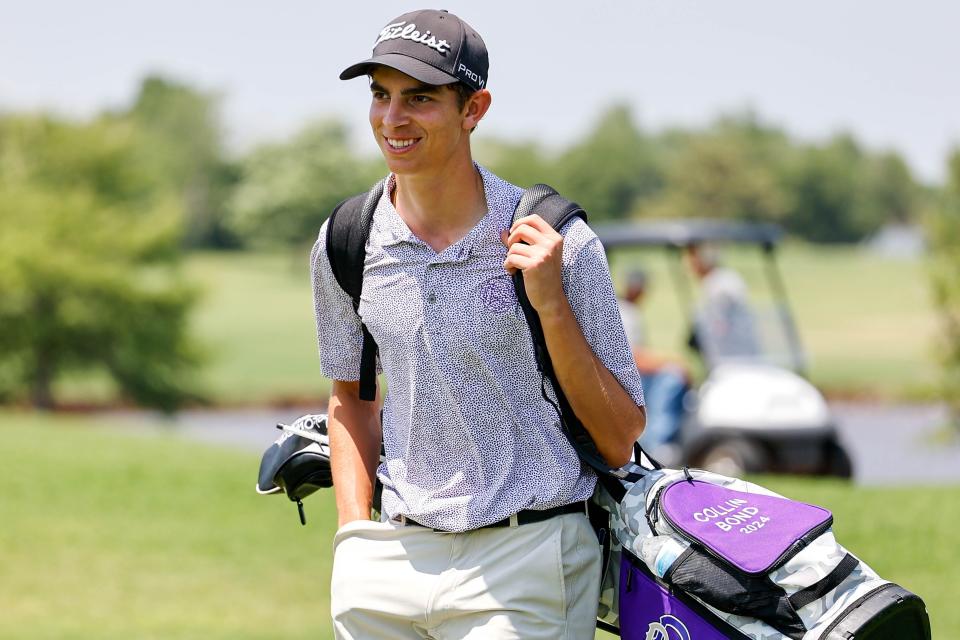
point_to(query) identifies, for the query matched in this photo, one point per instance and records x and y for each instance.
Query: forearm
(353, 426)
(598, 399)
(608, 412)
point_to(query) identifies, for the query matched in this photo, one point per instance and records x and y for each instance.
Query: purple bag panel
(751, 531)
(649, 612)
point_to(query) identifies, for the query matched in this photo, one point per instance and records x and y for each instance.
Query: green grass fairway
(107, 535)
(110, 536)
(257, 321)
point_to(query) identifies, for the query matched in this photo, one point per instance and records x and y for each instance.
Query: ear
(475, 109)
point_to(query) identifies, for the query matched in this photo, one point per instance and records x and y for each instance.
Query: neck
(441, 208)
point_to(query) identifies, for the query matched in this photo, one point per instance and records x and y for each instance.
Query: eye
(421, 99)
(379, 95)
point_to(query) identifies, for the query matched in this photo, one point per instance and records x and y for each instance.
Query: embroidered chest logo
(409, 31)
(498, 294)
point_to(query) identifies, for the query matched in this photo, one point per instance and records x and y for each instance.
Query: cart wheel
(734, 458)
(837, 461)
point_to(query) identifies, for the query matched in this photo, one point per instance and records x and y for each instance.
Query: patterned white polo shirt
(469, 438)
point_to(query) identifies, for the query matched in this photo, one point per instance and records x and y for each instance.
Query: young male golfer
(484, 532)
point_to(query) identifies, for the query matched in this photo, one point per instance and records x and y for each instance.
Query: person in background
(724, 324)
(666, 379)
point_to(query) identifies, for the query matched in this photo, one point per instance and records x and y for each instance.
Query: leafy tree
(944, 233)
(612, 169)
(824, 184)
(287, 190)
(715, 176)
(890, 193)
(182, 143)
(730, 171)
(840, 193)
(743, 168)
(520, 163)
(87, 264)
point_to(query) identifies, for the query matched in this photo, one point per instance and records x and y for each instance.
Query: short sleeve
(589, 288)
(339, 332)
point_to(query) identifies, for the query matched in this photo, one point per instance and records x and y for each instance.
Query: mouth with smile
(401, 145)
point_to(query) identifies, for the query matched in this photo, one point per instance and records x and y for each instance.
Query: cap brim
(410, 66)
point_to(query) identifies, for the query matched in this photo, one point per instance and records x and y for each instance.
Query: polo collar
(391, 226)
(393, 230)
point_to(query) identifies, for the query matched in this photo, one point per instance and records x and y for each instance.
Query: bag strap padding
(347, 231)
(543, 200)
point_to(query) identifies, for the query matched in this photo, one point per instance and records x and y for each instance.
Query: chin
(400, 166)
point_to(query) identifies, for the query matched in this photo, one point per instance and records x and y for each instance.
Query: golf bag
(694, 555)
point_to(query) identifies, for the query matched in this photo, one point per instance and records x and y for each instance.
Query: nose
(396, 113)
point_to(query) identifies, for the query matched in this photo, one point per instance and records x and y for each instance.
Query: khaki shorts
(538, 580)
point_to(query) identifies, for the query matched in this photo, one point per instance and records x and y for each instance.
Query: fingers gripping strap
(347, 233)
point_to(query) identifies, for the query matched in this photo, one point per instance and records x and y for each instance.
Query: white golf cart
(754, 411)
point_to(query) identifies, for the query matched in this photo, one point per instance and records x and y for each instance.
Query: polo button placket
(430, 311)
(430, 315)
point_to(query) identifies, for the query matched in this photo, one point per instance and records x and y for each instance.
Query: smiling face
(420, 128)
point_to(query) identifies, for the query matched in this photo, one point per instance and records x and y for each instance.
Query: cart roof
(683, 233)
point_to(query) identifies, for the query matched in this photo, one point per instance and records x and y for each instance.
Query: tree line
(738, 167)
(96, 214)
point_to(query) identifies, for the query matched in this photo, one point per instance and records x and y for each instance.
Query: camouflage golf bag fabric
(700, 556)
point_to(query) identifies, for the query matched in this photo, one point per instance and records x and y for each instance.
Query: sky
(886, 71)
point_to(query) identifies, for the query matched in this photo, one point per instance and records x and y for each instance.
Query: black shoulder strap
(347, 231)
(556, 211)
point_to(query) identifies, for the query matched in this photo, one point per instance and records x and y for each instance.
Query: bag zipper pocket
(655, 513)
